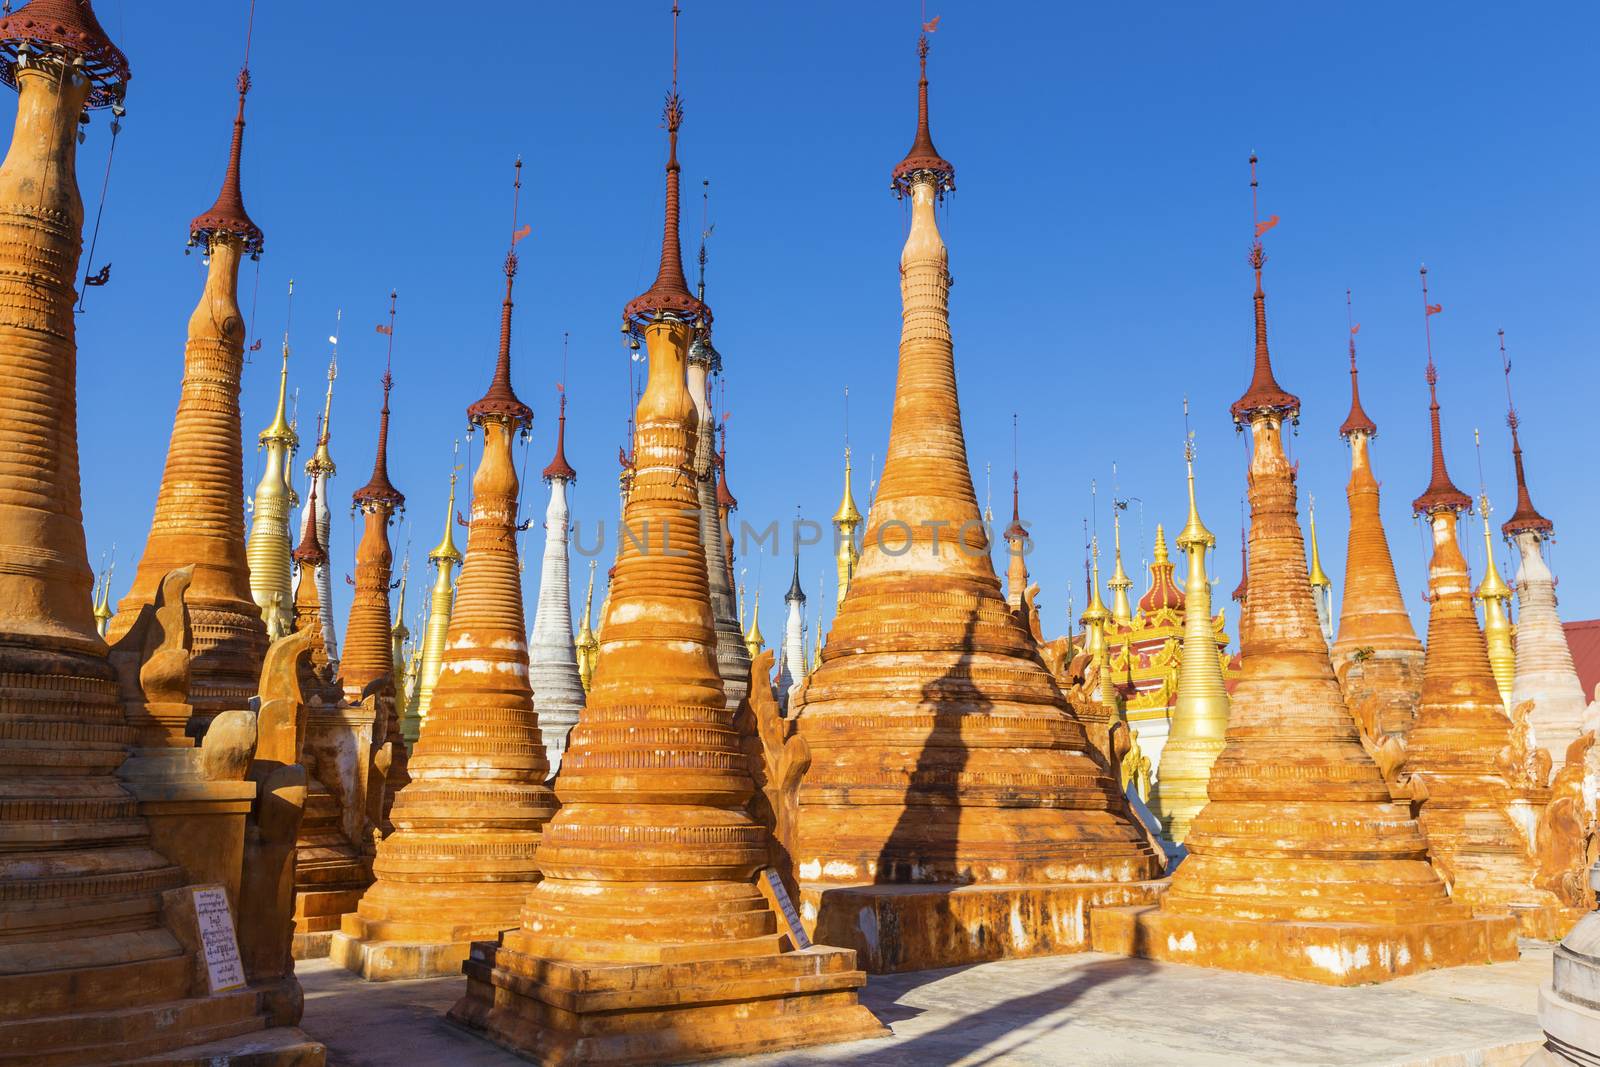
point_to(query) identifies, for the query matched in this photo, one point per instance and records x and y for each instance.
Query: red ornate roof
(669, 293)
(1357, 421)
(1265, 396)
(1164, 592)
(69, 24)
(923, 157)
(228, 215)
(501, 400)
(558, 466)
(1441, 494)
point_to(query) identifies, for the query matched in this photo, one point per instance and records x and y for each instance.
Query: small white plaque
(223, 964)
(797, 932)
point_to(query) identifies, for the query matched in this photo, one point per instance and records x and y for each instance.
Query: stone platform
(1087, 1009)
(897, 928)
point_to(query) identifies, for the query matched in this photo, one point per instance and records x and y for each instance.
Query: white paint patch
(1184, 944)
(810, 870)
(1019, 933)
(839, 869)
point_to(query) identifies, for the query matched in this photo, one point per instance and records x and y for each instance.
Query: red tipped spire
(228, 214)
(501, 402)
(1526, 518)
(1441, 494)
(310, 553)
(1357, 421)
(923, 158)
(669, 295)
(1016, 531)
(1265, 396)
(559, 467)
(68, 24)
(1242, 590)
(379, 492)
(725, 498)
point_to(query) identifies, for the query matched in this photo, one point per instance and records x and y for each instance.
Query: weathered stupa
(101, 961)
(1304, 864)
(650, 938)
(1545, 674)
(951, 790)
(1455, 745)
(460, 859)
(445, 558)
(1200, 712)
(792, 670)
(1376, 653)
(1495, 596)
(320, 469)
(199, 516)
(552, 654)
(268, 547)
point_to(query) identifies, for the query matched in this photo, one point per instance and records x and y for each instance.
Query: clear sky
(1098, 240)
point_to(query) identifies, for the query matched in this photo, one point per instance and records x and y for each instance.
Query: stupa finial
(379, 492)
(1265, 397)
(228, 215)
(1441, 494)
(923, 158)
(501, 401)
(1357, 421)
(1526, 518)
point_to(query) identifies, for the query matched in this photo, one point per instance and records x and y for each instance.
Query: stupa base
(1342, 954)
(1546, 922)
(318, 915)
(224, 1029)
(916, 927)
(388, 960)
(559, 1014)
(1571, 1031)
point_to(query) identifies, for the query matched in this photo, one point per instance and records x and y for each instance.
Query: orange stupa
(1376, 655)
(199, 517)
(368, 644)
(460, 858)
(649, 940)
(1455, 746)
(1304, 863)
(951, 788)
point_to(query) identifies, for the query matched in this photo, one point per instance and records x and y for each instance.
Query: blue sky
(1098, 240)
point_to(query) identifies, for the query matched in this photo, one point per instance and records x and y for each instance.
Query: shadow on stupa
(924, 845)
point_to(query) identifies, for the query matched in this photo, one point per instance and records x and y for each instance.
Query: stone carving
(779, 759)
(1565, 845)
(1523, 761)
(153, 657)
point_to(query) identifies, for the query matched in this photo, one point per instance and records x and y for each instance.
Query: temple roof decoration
(446, 549)
(65, 24)
(1493, 586)
(1357, 421)
(848, 514)
(379, 492)
(1526, 519)
(228, 215)
(1164, 594)
(795, 592)
(558, 466)
(725, 497)
(500, 402)
(321, 461)
(309, 552)
(1265, 396)
(1319, 577)
(1016, 531)
(1441, 494)
(923, 157)
(279, 430)
(1242, 590)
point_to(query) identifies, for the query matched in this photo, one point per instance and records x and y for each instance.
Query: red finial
(501, 402)
(1016, 531)
(310, 553)
(1441, 494)
(378, 492)
(45, 25)
(923, 158)
(1357, 421)
(1265, 397)
(1526, 519)
(559, 467)
(669, 295)
(1242, 590)
(228, 215)
(725, 497)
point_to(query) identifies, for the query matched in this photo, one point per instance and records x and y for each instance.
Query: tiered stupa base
(557, 1012)
(435, 934)
(895, 928)
(1332, 953)
(330, 876)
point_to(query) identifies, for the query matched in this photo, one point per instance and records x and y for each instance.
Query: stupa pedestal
(649, 939)
(461, 857)
(1305, 863)
(954, 810)
(1569, 1005)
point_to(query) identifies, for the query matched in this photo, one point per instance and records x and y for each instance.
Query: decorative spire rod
(558, 466)
(1357, 421)
(228, 215)
(1441, 494)
(1526, 518)
(446, 548)
(1265, 397)
(501, 400)
(1015, 532)
(1194, 531)
(279, 429)
(923, 158)
(379, 492)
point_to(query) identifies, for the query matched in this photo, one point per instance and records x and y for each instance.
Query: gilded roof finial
(923, 158)
(378, 492)
(446, 548)
(321, 461)
(1357, 421)
(1265, 397)
(1493, 585)
(1441, 494)
(1526, 519)
(1319, 577)
(279, 429)
(501, 401)
(1194, 531)
(227, 216)
(668, 295)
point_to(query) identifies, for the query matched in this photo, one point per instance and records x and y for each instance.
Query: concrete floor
(1088, 1010)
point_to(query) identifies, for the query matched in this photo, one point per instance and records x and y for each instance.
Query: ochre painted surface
(1376, 653)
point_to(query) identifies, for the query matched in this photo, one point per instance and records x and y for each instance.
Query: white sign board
(797, 932)
(223, 964)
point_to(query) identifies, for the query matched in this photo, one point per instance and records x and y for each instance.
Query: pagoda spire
(268, 547)
(1293, 745)
(1376, 654)
(1119, 583)
(1321, 584)
(320, 470)
(1441, 494)
(754, 639)
(1016, 535)
(1495, 596)
(650, 868)
(445, 558)
(727, 503)
(792, 671)
(552, 654)
(199, 513)
(846, 520)
(1265, 396)
(478, 775)
(1545, 673)
(587, 643)
(1200, 709)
